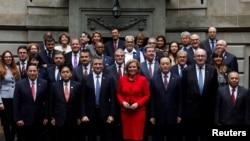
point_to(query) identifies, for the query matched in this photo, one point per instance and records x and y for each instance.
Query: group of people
(84, 89)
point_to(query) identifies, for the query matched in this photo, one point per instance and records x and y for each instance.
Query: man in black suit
(210, 43)
(229, 59)
(185, 40)
(98, 106)
(199, 88)
(42, 44)
(22, 64)
(84, 69)
(65, 102)
(116, 71)
(112, 45)
(232, 103)
(195, 44)
(150, 66)
(46, 56)
(84, 39)
(182, 63)
(31, 105)
(166, 101)
(72, 57)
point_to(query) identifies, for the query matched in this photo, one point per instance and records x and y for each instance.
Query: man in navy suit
(99, 48)
(166, 101)
(232, 103)
(65, 102)
(72, 58)
(229, 59)
(46, 56)
(42, 45)
(182, 63)
(112, 45)
(199, 88)
(150, 66)
(98, 106)
(31, 105)
(210, 43)
(84, 69)
(53, 71)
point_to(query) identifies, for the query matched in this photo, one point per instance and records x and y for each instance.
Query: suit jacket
(41, 46)
(206, 46)
(231, 61)
(68, 59)
(145, 71)
(20, 69)
(91, 48)
(78, 74)
(51, 74)
(196, 105)
(25, 108)
(228, 114)
(190, 57)
(165, 105)
(108, 60)
(109, 47)
(44, 59)
(65, 112)
(107, 96)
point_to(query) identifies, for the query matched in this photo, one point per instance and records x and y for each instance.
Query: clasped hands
(126, 105)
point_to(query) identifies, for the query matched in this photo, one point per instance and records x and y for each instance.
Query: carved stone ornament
(123, 23)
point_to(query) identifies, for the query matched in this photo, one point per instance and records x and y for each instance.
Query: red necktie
(119, 71)
(66, 92)
(33, 90)
(233, 96)
(23, 68)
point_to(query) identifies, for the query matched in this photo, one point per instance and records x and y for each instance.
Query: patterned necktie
(150, 70)
(115, 45)
(200, 81)
(97, 90)
(66, 92)
(233, 96)
(166, 81)
(33, 90)
(75, 60)
(85, 71)
(23, 68)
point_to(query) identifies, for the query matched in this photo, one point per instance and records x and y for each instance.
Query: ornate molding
(123, 23)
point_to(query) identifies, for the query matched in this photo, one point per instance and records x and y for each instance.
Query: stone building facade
(25, 21)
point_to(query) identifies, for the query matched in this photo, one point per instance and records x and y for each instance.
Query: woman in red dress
(133, 93)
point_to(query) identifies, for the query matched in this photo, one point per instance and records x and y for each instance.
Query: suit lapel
(145, 68)
(27, 87)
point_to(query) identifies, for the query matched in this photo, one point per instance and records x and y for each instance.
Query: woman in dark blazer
(222, 69)
(9, 74)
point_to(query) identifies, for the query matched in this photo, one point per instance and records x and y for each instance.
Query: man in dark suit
(84, 69)
(182, 63)
(150, 66)
(209, 45)
(115, 43)
(65, 102)
(166, 101)
(199, 88)
(22, 64)
(99, 49)
(46, 56)
(84, 39)
(98, 106)
(195, 44)
(185, 40)
(116, 71)
(229, 59)
(31, 105)
(53, 71)
(72, 57)
(232, 103)
(42, 45)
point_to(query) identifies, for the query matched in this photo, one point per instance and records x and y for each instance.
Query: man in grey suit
(231, 102)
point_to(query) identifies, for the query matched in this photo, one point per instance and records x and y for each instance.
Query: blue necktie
(200, 81)
(97, 90)
(212, 42)
(75, 60)
(58, 76)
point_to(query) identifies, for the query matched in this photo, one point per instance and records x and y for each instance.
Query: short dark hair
(65, 65)
(22, 47)
(164, 56)
(31, 64)
(49, 39)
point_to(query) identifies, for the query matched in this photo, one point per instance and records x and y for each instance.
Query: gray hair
(185, 33)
